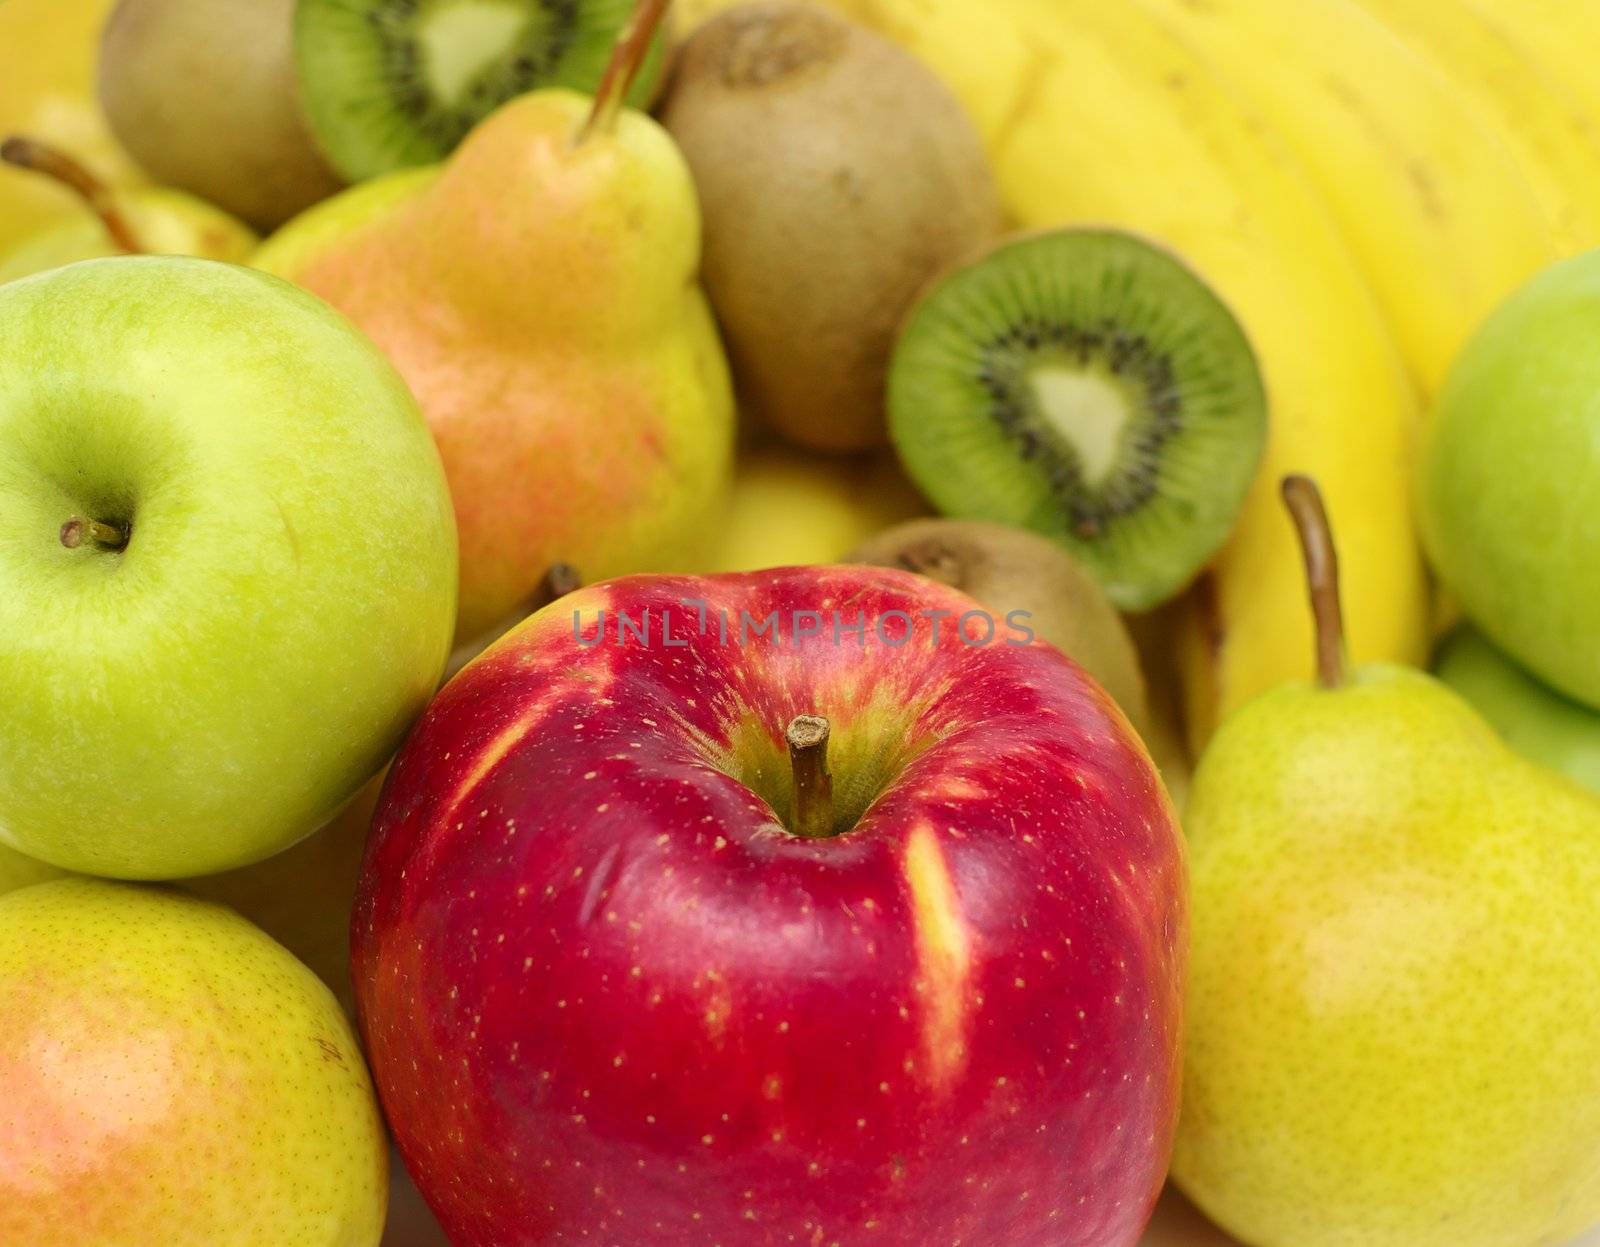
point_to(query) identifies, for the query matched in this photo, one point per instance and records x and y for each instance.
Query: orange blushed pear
(540, 294)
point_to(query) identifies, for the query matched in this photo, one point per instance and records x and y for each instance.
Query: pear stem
(111, 537)
(1310, 515)
(30, 154)
(559, 580)
(807, 737)
(626, 59)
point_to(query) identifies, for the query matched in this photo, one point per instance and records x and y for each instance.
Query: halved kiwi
(1086, 385)
(388, 84)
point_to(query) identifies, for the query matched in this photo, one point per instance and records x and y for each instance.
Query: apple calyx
(1310, 515)
(104, 536)
(626, 59)
(26, 153)
(812, 816)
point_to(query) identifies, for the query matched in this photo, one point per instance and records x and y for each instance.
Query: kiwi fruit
(390, 84)
(1011, 569)
(1084, 384)
(837, 176)
(202, 94)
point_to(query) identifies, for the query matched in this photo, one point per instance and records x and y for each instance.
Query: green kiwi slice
(389, 84)
(1086, 385)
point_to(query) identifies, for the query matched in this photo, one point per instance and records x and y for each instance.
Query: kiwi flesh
(1086, 385)
(391, 84)
(202, 94)
(1011, 569)
(837, 176)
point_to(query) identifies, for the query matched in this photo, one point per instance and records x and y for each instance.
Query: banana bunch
(1555, 36)
(1541, 123)
(1430, 197)
(1362, 180)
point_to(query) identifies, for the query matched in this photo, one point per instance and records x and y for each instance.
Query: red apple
(612, 996)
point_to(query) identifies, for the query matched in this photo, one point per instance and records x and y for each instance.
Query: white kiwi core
(460, 40)
(1090, 411)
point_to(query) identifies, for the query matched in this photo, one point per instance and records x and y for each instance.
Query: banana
(1539, 124)
(1097, 113)
(1560, 37)
(1440, 216)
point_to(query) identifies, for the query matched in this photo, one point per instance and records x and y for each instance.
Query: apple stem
(626, 59)
(1310, 515)
(807, 737)
(111, 537)
(26, 153)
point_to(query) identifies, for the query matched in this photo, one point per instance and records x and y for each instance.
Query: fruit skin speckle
(671, 1022)
(173, 1078)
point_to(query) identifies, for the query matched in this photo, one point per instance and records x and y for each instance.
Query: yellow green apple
(227, 565)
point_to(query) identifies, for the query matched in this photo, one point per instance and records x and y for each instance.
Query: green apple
(1508, 499)
(1533, 718)
(227, 565)
(174, 1078)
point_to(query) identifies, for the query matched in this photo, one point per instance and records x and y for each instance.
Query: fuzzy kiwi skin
(837, 177)
(203, 95)
(1010, 569)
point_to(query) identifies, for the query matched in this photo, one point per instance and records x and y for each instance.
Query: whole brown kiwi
(837, 177)
(1010, 569)
(203, 95)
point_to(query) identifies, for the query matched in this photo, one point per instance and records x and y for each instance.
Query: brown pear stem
(26, 153)
(559, 580)
(1310, 515)
(76, 531)
(807, 737)
(632, 45)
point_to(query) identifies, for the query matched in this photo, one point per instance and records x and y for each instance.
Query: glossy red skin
(628, 1010)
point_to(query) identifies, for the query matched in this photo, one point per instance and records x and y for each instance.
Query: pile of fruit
(799, 623)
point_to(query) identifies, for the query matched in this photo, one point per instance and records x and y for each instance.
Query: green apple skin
(174, 1078)
(1509, 500)
(1534, 719)
(164, 222)
(284, 605)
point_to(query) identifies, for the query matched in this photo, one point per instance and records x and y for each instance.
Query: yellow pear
(1393, 1032)
(142, 221)
(172, 1077)
(793, 507)
(47, 90)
